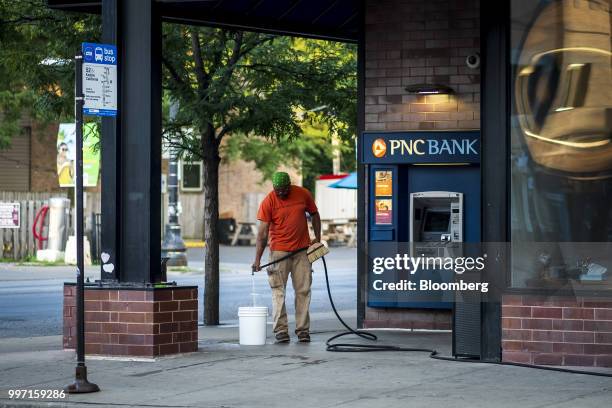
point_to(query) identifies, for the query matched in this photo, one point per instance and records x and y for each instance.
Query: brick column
(144, 322)
(415, 42)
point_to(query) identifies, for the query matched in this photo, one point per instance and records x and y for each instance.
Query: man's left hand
(314, 241)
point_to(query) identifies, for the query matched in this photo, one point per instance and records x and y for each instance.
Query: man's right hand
(255, 267)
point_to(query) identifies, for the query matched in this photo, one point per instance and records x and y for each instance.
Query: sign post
(95, 94)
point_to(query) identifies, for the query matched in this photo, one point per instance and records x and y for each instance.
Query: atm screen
(436, 221)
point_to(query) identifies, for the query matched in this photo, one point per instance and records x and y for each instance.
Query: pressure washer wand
(282, 258)
(314, 252)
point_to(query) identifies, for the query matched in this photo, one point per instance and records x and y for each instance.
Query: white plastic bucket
(252, 322)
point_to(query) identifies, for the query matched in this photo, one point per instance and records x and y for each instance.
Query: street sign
(99, 79)
(9, 215)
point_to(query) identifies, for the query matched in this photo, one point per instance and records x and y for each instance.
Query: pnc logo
(424, 147)
(379, 148)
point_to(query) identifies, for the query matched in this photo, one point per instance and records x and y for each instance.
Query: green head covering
(280, 179)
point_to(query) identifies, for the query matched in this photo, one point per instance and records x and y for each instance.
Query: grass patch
(31, 261)
(40, 263)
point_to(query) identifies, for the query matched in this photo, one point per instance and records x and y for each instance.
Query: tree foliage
(233, 82)
(37, 46)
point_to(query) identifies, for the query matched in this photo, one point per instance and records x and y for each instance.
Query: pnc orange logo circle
(379, 148)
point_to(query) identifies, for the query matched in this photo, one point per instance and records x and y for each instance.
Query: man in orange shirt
(282, 216)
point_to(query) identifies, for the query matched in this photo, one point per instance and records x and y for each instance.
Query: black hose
(355, 347)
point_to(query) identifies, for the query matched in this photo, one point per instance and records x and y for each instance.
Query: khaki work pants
(301, 279)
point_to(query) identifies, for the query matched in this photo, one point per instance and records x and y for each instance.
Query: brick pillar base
(141, 322)
(569, 331)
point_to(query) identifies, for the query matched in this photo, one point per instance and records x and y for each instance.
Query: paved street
(31, 297)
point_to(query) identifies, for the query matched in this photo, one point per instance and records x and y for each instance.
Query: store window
(191, 176)
(561, 144)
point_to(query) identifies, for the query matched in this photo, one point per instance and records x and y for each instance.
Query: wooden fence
(19, 243)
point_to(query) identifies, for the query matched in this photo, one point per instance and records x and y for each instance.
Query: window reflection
(561, 144)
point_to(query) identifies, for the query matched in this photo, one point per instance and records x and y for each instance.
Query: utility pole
(173, 246)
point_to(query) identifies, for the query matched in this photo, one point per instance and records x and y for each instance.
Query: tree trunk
(211, 238)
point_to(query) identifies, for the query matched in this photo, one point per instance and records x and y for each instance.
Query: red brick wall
(144, 323)
(410, 42)
(557, 330)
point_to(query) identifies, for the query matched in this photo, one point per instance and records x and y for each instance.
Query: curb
(194, 244)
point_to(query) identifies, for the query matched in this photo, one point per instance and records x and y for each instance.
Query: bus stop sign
(99, 79)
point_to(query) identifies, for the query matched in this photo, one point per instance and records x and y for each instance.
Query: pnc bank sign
(421, 147)
(424, 147)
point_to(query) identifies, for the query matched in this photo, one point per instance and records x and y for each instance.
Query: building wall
(236, 179)
(572, 331)
(15, 163)
(410, 42)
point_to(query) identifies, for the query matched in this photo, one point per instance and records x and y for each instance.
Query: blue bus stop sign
(99, 79)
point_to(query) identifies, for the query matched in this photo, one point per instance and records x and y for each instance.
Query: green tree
(254, 85)
(37, 46)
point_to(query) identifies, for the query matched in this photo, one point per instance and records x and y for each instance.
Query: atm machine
(436, 222)
(423, 192)
(437, 230)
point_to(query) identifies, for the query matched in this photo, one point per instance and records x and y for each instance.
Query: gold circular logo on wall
(379, 148)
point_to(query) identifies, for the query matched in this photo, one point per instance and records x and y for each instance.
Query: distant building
(241, 189)
(29, 164)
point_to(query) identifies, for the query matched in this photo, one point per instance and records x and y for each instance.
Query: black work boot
(281, 338)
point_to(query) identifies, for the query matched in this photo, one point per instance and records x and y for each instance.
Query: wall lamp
(430, 89)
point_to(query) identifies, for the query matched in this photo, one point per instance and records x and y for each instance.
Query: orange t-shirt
(287, 218)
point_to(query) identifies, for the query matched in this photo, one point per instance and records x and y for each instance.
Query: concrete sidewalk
(224, 374)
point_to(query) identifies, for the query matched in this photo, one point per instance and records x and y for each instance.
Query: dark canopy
(336, 20)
